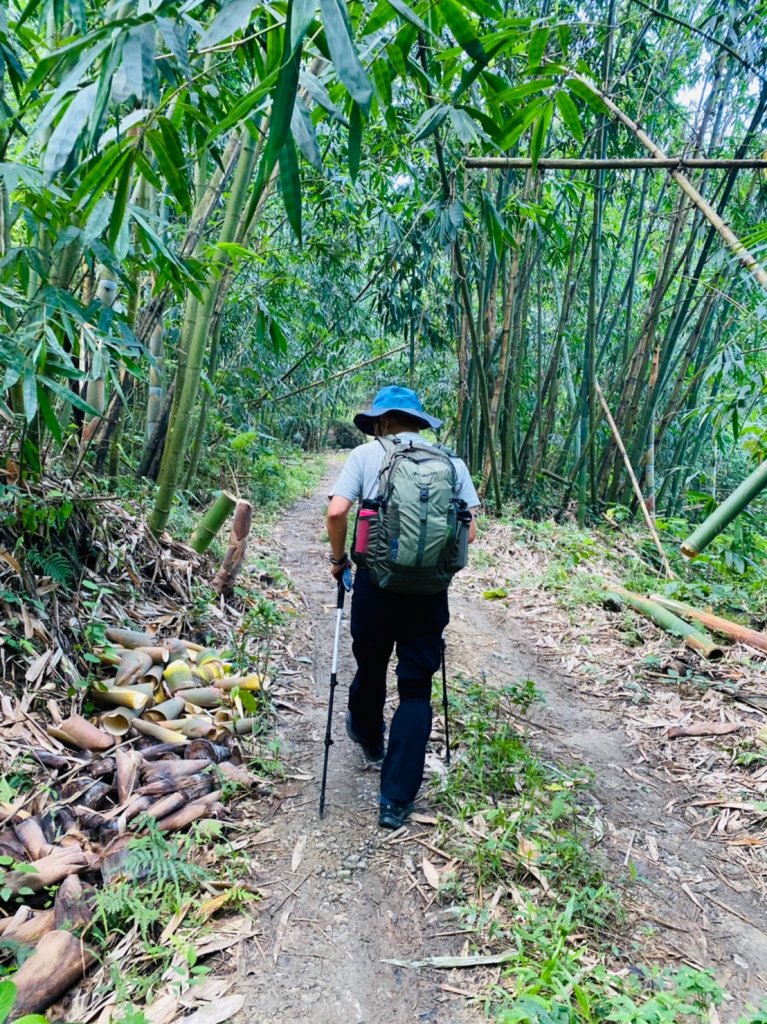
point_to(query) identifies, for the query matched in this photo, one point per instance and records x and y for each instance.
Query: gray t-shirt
(359, 477)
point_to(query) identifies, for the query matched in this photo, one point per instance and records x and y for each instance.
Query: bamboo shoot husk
(669, 622)
(205, 749)
(133, 665)
(30, 834)
(136, 697)
(734, 630)
(210, 670)
(48, 759)
(127, 764)
(195, 728)
(137, 806)
(130, 638)
(160, 751)
(173, 770)
(223, 716)
(246, 726)
(224, 580)
(58, 961)
(153, 676)
(117, 722)
(166, 711)
(722, 516)
(73, 907)
(168, 650)
(62, 861)
(191, 812)
(157, 732)
(203, 697)
(207, 528)
(22, 915)
(193, 787)
(166, 805)
(235, 773)
(78, 732)
(254, 681)
(29, 932)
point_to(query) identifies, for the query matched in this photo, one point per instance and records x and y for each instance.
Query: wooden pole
(661, 163)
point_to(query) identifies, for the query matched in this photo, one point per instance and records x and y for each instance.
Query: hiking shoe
(393, 815)
(373, 755)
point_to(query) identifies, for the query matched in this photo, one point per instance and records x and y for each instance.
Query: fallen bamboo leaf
(298, 854)
(703, 729)
(448, 962)
(216, 1013)
(431, 873)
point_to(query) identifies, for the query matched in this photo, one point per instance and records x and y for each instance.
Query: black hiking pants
(414, 623)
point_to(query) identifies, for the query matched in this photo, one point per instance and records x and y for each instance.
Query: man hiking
(415, 517)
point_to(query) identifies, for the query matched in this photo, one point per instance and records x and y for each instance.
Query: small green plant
(7, 1000)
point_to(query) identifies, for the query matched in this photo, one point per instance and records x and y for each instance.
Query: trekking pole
(344, 584)
(444, 705)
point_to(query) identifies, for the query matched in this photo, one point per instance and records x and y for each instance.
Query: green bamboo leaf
(521, 121)
(464, 31)
(539, 134)
(569, 113)
(49, 416)
(355, 141)
(382, 79)
(71, 397)
(343, 53)
(465, 127)
(64, 137)
(230, 19)
(519, 92)
(537, 46)
(121, 201)
(102, 174)
(29, 393)
(320, 94)
(128, 80)
(304, 134)
(166, 146)
(563, 31)
(302, 15)
(582, 91)
(290, 183)
(409, 15)
(430, 121)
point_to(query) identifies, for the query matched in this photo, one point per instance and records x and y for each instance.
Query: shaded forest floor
(677, 824)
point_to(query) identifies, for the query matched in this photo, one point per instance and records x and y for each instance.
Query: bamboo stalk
(668, 622)
(722, 516)
(207, 528)
(186, 815)
(136, 697)
(634, 482)
(734, 630)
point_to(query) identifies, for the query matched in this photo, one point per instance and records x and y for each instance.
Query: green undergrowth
(729, 576)
(531, 885)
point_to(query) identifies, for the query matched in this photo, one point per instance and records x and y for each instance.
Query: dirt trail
(327, 926)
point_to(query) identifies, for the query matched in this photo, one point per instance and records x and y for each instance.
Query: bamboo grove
(223, 221)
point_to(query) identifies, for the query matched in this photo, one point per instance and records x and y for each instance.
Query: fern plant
(52, 563)
(158, 876)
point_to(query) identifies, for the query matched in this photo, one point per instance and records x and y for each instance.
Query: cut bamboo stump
(212, 521)
(734, 630)
(223, 582)
(668, 622)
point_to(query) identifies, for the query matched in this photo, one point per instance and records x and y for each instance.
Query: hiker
(406, 616)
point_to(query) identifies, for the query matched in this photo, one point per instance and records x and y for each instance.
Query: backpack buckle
(424, 495)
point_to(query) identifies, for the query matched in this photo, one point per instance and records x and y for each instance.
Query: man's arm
(338, 525)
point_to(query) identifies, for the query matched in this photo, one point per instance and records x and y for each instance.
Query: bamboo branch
(634, 482)
(662, 163)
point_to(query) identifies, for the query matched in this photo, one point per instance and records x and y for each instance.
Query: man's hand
(337, 571)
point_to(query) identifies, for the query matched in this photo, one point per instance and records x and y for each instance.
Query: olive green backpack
(418, 529)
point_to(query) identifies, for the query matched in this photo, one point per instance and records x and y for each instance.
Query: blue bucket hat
(394, 399)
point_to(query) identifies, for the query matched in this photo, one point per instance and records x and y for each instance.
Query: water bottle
(362, 536)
